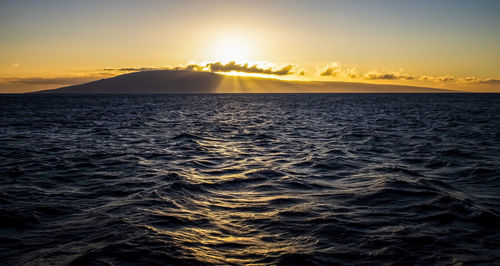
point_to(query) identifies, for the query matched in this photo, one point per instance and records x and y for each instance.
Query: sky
(441, 43)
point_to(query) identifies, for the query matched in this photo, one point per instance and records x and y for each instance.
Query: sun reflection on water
(224, 224)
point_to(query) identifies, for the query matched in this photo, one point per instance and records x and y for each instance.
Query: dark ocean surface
(242, 179)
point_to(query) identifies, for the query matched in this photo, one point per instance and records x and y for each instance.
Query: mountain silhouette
(148, 82)
(185, 81)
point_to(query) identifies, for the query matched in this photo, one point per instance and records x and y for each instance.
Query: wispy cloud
(426, 78)
(445, 78)
(377, 74)
(52, 80)
(134, 69)
(474, 80)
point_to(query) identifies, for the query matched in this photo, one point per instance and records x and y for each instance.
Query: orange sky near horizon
(444, 44)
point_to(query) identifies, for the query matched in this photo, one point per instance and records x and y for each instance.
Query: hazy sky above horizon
(426, 43)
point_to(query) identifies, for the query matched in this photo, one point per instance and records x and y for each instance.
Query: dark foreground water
(240, 179)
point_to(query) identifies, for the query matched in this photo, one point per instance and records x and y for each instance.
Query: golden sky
(442, 44)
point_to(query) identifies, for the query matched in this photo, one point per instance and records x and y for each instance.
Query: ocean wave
(249, 179)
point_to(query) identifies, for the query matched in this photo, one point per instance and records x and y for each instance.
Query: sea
(262, 179)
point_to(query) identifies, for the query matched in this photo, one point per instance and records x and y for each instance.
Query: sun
(231, 47)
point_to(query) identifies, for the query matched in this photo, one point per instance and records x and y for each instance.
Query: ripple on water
(249, 179)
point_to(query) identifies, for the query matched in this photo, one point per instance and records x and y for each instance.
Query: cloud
(134, 69)
(351, 73)
(215, 67)
(376, 74)
(52, 80)
(474, 80)
(331, 70)
(495, 81)
(246, 68)
(193, 67)
(466, 80)
(425, 78)
(445, 78)
(336, 70)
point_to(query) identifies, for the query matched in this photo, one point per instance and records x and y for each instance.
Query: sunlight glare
(231, 48)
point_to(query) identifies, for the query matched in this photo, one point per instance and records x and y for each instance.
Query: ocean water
(242, 179)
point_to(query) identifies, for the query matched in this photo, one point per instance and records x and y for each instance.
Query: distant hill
(183, 81)
(148, 82)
